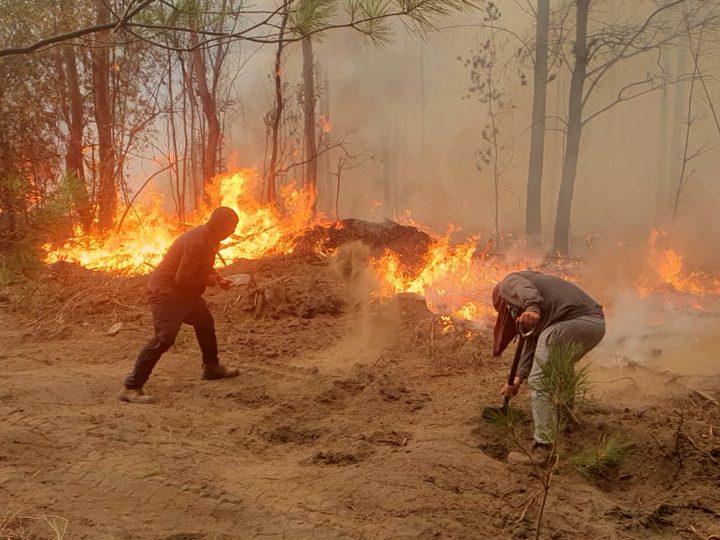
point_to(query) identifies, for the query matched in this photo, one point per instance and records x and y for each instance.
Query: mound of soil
(408, 242)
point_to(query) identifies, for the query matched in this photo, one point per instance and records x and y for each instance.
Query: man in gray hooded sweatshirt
(556, 311)
(175, 290)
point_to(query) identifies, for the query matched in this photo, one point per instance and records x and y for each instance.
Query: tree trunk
(74, 157)
(190, 134)
(574, 134)
(7, 196)
(173, 146)
(107, 189)
(387, 172)
(277, 113)
(311, 164)
(325, 142)
(533, 208)
(422, 152)
(685, 158)
(209, 106)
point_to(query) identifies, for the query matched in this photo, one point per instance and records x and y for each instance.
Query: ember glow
(138, 246)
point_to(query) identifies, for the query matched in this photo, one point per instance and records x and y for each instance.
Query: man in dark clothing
(175, 290)
(556, 311)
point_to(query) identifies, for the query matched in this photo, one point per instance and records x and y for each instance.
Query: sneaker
(135, 395)
(218, 371)
(538, 455)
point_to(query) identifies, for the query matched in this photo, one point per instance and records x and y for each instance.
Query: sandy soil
(347, 421)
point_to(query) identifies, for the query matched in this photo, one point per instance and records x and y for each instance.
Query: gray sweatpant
(585, 331)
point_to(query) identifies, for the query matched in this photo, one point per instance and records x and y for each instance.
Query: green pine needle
(610, 450)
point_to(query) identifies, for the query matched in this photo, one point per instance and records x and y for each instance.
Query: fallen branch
(241, 239)
(698, 534)
(703, 395)
(700, 449)
(530, 501)
(679, 432)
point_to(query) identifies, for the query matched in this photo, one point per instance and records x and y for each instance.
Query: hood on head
(222, 222)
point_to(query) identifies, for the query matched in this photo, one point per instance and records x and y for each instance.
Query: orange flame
(375, 205)
(667, 266)
(325, 123)
(453, 282)
(141, 242)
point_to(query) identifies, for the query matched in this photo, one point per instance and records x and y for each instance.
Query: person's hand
(224, 282)
(528, 320)
(511, 390)
(217, 279)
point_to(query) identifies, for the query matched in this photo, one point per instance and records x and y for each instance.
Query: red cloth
(505, 330)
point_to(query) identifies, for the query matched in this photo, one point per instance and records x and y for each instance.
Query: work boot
(538, 455)
(212, 372)
(135, 395)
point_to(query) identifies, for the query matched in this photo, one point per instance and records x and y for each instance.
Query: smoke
(660, 328)
(370, 329)
(401, 107)
(402, 104)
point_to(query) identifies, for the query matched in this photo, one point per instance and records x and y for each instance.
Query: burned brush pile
(409, 243)
(289, 304)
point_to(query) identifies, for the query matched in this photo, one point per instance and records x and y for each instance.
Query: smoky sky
(401, 106)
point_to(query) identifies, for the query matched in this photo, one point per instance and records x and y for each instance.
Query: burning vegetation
(363, 344)
(454, 278)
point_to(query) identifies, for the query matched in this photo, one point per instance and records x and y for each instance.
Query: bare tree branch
(597, 73)
(60, 38)
(622, 97)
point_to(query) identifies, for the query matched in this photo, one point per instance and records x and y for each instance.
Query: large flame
(145, 235)
(668, 271)
(454, 279)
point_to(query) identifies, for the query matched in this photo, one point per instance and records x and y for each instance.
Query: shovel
(493, 412)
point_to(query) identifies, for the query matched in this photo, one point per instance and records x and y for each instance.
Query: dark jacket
(553, 298)
(186, 267)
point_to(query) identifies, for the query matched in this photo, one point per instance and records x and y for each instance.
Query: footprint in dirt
(491, 438)
(341, 457)
(495, 449)
(388, 438)
(289, 434)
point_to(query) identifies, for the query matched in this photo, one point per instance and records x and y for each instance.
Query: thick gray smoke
(403, 104)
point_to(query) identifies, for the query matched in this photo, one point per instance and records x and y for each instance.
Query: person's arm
(519, 291)
(527, 358)
(215, 278)
(186, 274)
(524, 368)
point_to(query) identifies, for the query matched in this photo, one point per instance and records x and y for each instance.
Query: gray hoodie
(552, 297)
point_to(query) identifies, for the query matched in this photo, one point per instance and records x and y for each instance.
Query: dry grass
(15, 525)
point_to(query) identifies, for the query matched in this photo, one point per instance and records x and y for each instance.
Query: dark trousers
(168, 315)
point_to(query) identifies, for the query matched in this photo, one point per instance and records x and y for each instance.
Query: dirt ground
(349, 420)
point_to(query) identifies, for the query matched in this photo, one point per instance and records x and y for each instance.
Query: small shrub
(609, 451)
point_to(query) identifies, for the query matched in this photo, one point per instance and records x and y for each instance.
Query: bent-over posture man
(175, 289)
(558, 312)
